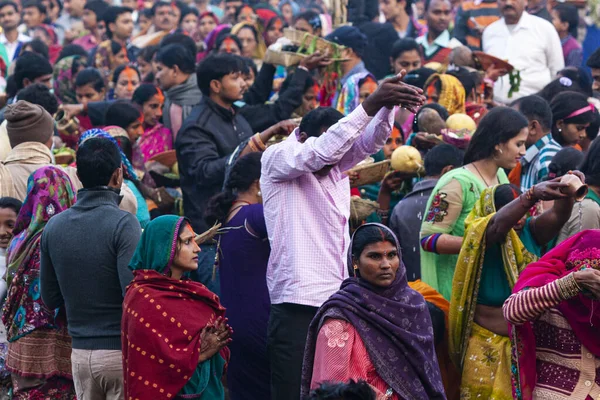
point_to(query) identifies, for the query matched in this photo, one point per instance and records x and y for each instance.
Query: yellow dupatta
(465, 285)
(452, 93)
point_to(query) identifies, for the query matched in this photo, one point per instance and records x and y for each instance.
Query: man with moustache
(163, 22)
(529, 43)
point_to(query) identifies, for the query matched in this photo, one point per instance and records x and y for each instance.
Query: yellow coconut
(457, 122)
(407, 159)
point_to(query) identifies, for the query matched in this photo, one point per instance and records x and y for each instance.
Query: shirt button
(589, 355)
(588, 383)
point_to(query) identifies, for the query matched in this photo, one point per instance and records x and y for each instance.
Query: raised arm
(292, 158)
(545, 227)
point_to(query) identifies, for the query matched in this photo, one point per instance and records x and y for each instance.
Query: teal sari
(163, 319)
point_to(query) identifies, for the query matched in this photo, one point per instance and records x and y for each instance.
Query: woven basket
(285, 58)
(304, 39)
(371, 173)
(360, 209)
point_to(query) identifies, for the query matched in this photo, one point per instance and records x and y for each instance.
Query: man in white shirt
(10, 18)
(529, 43)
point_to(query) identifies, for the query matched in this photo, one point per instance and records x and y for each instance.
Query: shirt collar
(21, 38)
(534, 150)
(443, 40)
(524, 22)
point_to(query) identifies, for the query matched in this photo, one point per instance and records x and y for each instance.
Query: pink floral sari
(155, 140)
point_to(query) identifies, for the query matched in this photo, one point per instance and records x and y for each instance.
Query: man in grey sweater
(85, 252)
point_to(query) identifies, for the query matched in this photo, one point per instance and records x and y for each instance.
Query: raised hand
(393, 92)
(550, 190)
(589, 281)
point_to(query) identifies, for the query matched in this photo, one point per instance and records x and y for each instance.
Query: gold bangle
(259, 143)
(252, 145)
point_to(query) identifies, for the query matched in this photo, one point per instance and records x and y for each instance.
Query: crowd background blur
(286, 199)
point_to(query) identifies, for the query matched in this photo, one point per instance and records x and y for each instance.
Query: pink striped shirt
(306, 214)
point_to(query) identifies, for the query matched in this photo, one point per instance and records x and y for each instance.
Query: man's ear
(303, 137)
(215, 86)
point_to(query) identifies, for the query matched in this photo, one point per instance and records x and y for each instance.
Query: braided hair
(243, 174)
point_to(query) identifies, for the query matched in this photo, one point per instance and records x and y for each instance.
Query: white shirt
(11, 48)
(532, 46)
(306, 214)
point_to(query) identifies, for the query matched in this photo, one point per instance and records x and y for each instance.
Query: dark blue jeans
(204, 273)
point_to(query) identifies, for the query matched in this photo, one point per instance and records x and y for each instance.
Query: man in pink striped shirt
(306, 198)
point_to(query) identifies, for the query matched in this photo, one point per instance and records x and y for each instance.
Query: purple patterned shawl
(395, 327)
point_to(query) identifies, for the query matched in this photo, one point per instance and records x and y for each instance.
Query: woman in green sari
(498, 143)
(492, 256)
(175, 335)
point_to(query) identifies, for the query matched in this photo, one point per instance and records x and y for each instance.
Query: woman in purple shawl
(375, 328)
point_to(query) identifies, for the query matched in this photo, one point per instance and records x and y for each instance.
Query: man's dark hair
(11, 202)
(402, 46)
(38, 47)
(72, 50)
(216, 67)
(250, 65)
(182, 40)
(5, 3)
(90, 76)
(352, 390)
(440, 157)
(308, 16)
(568, 13)
(110, 16)
(31, 66)
(158, 5)
(98, 7)
(97, 159)
(41, 95)
(176, 54)
(37, 4)
(534, 107)
(122, 113)
(594, 60)
(319, 120)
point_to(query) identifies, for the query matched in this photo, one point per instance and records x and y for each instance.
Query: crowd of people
(409, 210)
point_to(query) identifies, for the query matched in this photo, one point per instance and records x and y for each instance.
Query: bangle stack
(256, 144)
(568, 286)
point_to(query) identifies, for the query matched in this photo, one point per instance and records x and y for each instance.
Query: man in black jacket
(207, 139)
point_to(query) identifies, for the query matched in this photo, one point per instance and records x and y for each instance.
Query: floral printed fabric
(49, 192)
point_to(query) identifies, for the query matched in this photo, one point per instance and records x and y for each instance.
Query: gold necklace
(482, 178)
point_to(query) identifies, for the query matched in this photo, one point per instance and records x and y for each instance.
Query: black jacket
(204, 143)
(263, 116)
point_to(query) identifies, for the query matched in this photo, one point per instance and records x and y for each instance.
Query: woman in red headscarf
(554, 324)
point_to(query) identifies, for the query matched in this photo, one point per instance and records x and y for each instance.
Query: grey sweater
(85, 252)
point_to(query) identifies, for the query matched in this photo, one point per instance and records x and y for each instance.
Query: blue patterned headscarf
(128, 170)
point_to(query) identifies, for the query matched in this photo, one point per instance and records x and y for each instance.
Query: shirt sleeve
(127, 236)
(49, 287)
(445, 209)
(372, 140)
(291, 159)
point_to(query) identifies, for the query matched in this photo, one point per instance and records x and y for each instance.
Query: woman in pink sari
(156, 138)
(554, 323)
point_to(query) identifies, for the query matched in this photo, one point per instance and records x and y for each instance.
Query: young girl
(156, 138)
